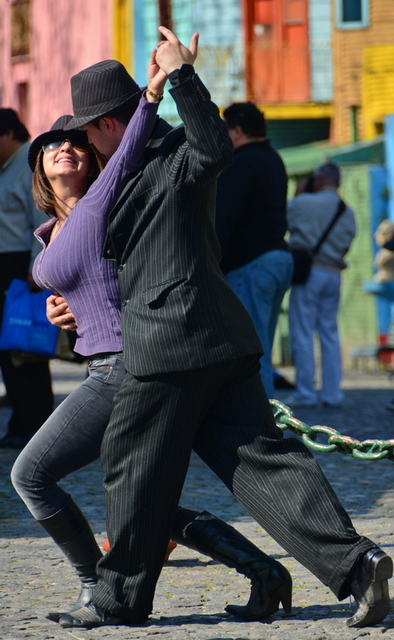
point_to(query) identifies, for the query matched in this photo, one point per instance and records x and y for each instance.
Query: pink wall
(65, 37)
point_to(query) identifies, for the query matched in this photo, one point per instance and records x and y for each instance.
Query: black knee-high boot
(270, 582)
(73, 535)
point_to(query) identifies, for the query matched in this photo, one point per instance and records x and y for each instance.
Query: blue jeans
(69, 440)
(261, 285)
(313, 308)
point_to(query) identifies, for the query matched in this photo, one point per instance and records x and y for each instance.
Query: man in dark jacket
(251, 224)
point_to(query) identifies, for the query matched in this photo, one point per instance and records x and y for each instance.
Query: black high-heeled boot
(271, 582)
(73, 535)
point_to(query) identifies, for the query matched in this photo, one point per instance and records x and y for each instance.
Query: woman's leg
(69, 440)
(213, 537)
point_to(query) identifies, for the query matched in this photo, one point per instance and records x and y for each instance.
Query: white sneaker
(294, 402)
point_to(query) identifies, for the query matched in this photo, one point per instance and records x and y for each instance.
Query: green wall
(357, 317)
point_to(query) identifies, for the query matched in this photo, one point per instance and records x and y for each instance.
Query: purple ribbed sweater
(72, 264)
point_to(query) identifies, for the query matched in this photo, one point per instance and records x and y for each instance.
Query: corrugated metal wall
(320, 50)
(220, 58)
(220, 61)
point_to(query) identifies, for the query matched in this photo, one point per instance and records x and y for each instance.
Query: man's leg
(145, 455)
(329, 340)
(303, 309)
(224, 413)
(261, 285)
(279, 482)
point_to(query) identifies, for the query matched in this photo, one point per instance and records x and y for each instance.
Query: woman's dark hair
(43, 194)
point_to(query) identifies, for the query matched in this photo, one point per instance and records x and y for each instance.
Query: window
(20, 28)
(352, 14)
(22, 93)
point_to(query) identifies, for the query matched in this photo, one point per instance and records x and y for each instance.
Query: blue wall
(379, 211)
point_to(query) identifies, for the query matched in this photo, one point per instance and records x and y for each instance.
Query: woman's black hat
(57, 130)
(99, 89)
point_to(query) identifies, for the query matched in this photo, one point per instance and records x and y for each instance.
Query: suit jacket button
(124, 303)
(120, 268)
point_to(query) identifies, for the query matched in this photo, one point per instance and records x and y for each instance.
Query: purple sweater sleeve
(127, 159)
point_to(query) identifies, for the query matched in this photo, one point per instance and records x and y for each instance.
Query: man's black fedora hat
(57, 130)
(99, 89)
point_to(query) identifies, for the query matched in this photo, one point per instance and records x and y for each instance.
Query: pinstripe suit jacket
(178, 312)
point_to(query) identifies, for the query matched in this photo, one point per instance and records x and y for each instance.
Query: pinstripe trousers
(221, 412)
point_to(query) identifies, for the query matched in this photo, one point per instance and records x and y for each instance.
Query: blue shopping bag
(25, 326)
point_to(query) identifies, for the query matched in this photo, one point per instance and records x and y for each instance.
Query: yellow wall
(123, 29)
(297, 111)
(377, 86)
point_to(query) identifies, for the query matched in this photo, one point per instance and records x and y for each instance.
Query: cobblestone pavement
(193, 591)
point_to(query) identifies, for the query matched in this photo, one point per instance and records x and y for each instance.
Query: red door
(276, 50)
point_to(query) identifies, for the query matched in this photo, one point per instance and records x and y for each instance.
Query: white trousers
(314, 307)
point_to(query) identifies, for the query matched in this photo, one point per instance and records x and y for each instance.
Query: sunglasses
(48, 147)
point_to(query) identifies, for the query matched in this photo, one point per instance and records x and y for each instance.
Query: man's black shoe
(370, 589)
(91, 615)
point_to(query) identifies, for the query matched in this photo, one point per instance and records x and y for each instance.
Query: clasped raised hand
(172, 54)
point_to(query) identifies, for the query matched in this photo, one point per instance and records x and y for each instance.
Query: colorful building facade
(317, 68)
(274, 52)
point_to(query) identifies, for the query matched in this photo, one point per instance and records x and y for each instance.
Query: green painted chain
(366, 450)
